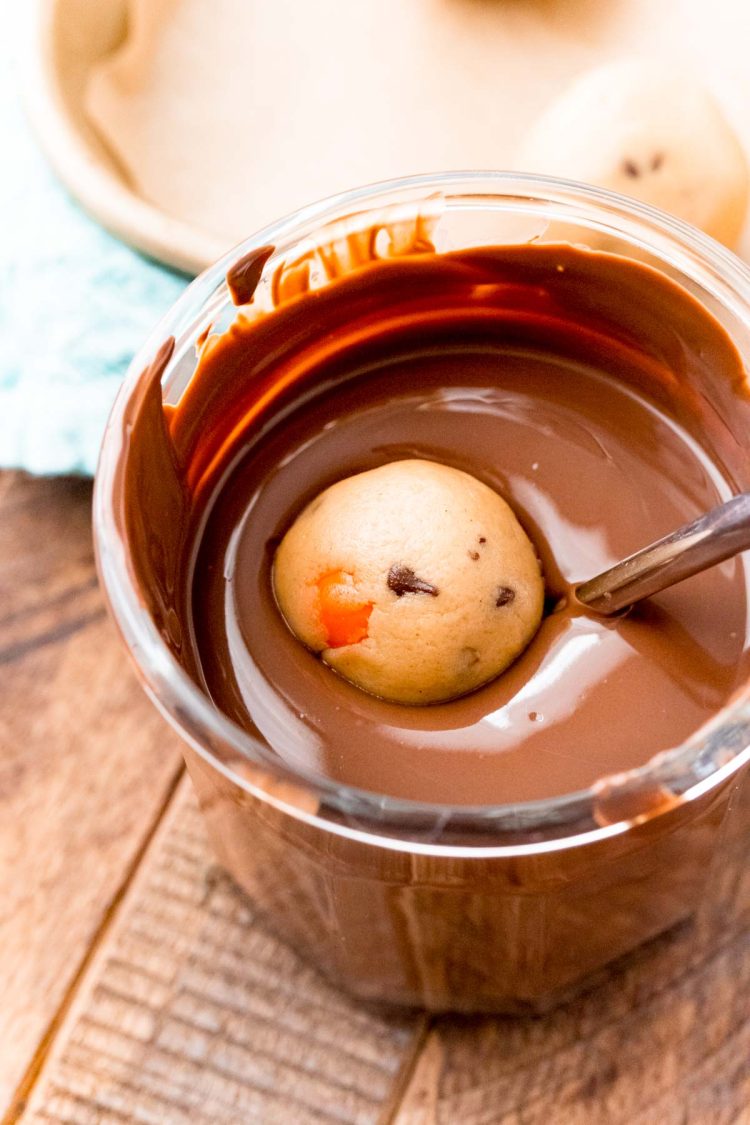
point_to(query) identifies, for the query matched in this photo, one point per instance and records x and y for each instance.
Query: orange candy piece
(343, 615)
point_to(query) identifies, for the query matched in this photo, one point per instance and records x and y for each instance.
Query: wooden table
(138, 985)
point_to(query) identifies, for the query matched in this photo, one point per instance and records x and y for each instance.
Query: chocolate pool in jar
(354, 523)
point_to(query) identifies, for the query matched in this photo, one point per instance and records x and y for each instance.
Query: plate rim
(103, 195)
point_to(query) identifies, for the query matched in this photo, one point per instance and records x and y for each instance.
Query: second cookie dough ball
(415, 581)
(650, 131)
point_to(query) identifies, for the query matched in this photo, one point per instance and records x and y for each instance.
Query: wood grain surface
(194, 1012)
(666, 1039)
(85, 767)
(138, 984)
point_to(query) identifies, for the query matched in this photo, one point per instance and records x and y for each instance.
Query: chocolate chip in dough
(402, 580)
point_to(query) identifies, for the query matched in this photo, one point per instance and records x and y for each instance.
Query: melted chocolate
(244, 275)
(603, 402)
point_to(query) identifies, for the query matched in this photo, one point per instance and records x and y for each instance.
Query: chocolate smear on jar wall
(243, 277)
(600, 399)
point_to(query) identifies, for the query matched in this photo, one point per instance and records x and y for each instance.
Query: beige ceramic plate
(69, 37)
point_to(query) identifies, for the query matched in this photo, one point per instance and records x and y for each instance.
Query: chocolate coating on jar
(604, 403)
(244, 275)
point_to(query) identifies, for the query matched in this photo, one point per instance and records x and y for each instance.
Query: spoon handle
(721, 533)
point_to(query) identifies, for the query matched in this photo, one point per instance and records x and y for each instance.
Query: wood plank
(663, 1038)
(86, 763)
(193, 1011)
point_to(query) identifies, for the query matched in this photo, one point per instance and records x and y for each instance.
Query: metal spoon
(721, 533)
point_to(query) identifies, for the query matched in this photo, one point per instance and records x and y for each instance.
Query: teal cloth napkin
(75, 304)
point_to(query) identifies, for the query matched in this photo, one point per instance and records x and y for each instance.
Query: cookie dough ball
(415, 581)
(650, 132)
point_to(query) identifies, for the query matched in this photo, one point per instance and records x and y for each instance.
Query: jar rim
(709, 756)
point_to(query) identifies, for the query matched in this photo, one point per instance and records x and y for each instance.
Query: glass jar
(496, 908)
